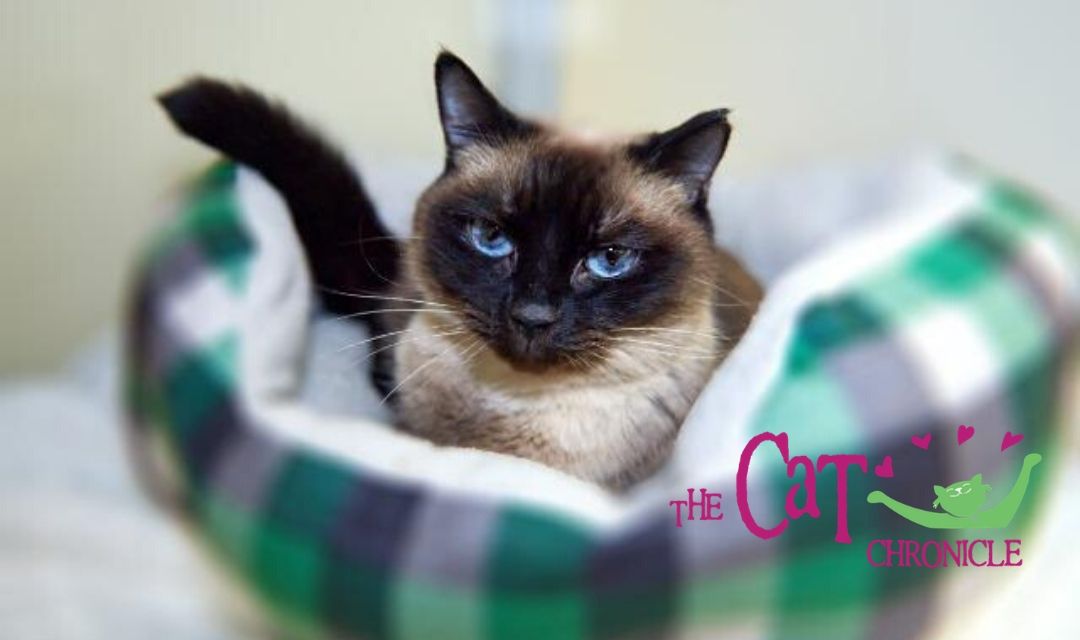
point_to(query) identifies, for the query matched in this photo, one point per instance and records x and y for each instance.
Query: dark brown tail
(349, 249)
(353, 257)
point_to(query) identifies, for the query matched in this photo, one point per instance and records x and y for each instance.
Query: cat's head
(553, 247)
(963, 498)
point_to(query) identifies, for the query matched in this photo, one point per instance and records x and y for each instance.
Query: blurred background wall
(86, 160)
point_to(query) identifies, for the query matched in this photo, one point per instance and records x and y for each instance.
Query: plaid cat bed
(957, 309)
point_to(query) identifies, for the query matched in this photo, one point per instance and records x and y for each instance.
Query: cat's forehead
(594, 180)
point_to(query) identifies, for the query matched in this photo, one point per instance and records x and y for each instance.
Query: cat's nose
(532, 314)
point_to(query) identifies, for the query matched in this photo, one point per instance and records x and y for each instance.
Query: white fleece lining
(275, 322)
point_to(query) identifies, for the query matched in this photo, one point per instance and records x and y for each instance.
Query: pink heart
(1010, 439)
(884, 468)
(922, 442)
(964, 433)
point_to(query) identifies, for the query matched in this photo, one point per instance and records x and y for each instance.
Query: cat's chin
(533, 367)
(530, 362)
(537, 362)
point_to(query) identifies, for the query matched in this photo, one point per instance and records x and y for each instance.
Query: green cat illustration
(962, 500)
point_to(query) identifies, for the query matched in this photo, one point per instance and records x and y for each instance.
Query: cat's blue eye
(611, 262)
(489, 239)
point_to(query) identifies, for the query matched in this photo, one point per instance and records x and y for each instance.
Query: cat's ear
(976, 479)
(939, 491)
(689, 153)
(469, 113)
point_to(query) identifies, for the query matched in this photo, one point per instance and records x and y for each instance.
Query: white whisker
(663, 345)
(727, 292)
(401, 239)
(338, 292)
(423, 366)
(706, 334)
(681, 356)
(373, 312)
(353, 345)
(472, 356)
(407, 340)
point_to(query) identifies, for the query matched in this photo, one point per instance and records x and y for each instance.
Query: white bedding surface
(83, 554)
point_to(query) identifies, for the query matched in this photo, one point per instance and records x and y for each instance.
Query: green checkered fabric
(970, 325)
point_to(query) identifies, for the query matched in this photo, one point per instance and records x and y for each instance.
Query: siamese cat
(561, 299)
